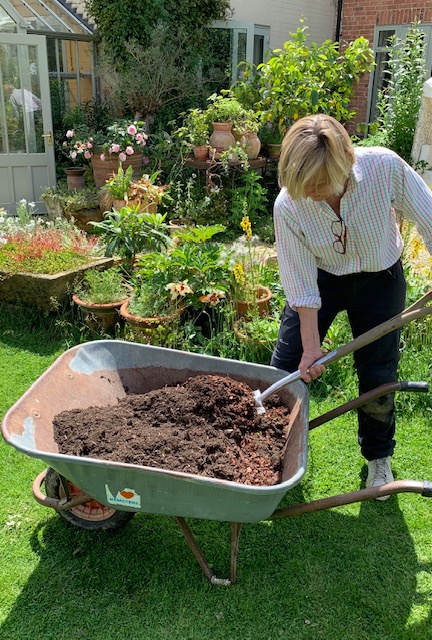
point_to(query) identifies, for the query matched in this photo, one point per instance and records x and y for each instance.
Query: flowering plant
(78, 146)
(38, 246)
(247, 265)
(122, 137)
(192, 271)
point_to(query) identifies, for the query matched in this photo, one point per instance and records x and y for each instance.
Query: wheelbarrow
(98, 494)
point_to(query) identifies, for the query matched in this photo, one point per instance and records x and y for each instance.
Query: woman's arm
(311, 344)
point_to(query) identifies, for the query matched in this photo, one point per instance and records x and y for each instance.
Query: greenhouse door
(26, 144)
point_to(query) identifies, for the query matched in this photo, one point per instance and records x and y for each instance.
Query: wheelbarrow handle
(417, 310)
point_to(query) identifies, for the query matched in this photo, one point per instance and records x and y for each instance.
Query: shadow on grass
(324, 575)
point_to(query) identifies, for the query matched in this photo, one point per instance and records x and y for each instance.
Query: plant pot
(100, 316)
(201, 152)
(261, 305)
(222, 138)
(144, 327)
(75, 178)
(251, 144)
(175, 226)
(42, 290)
(247, 339)
(274, 150)
(83, 217)
(104, 169)
(144, 207)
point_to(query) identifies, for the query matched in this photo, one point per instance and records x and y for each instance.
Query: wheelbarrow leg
(235, 535)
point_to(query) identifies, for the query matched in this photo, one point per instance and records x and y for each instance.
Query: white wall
(283, 17)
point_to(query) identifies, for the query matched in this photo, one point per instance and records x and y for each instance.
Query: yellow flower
(295, 116)
(239, 274)
(246, 226)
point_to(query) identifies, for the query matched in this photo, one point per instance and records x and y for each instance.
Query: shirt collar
(355, 177)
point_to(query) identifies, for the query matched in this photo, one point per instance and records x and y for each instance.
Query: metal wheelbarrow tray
(99, 374)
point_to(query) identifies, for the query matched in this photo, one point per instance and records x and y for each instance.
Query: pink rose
(145, 159)
(132, 130)
(69, 133)
(89, 145)
(73, 155)
(122, 156)
(129, 151)
(115, 148)
(102, 156)
(87, 155)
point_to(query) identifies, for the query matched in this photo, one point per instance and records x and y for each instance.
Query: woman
(339, 248)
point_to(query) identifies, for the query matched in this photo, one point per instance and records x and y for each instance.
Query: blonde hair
(315, 148)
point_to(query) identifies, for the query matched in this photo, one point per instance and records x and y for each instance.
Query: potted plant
(223, 113)
(128, 231)
(122, 142)
(117, 187)
(250, 297)
(83, 206)
(194, 270)
(258, 331)
(196, 132)
(100, 296)
(40, 259)
(77, 148)
(149, 309)
(271, 135)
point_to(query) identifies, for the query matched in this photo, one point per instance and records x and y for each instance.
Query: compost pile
(207, 426)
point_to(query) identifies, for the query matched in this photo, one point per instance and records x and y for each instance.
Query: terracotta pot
(201, 152)
(75, 178)
(98, 315)
(222, 138)
(261, 304)
(251, 144)
(244, 337)
(143, 327)
(149, 207)
(104, 169)
(83, 217)
(147, 323)
(273, 150)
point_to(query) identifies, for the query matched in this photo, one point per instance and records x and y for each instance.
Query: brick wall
(361, 19)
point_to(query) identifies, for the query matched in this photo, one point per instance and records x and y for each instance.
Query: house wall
(360, 19)
(283, 16)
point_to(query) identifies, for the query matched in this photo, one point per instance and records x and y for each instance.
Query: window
(379, 79)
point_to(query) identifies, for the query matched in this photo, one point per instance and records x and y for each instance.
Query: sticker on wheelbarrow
(126, 497)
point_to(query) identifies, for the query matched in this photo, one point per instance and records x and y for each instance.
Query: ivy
(134, 20)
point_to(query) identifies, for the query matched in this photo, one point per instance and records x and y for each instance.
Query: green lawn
(360, 572)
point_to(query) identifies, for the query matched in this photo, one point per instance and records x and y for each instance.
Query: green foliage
(196, 129)
(118, 185)
(300, 80)
(133, 20)
(129, 231)
(194, 269)
(87, 198)
(102, 287)
(399, 102)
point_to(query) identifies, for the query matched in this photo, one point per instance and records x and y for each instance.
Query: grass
(362, 571)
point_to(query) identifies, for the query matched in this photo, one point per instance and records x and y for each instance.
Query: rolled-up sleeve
(297, 263)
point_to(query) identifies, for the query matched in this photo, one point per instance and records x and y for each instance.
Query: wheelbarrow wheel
(92, 515)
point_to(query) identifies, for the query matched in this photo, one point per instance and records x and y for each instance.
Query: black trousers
(369, 299)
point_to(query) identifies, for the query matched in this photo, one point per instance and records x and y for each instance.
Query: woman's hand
(307, 369)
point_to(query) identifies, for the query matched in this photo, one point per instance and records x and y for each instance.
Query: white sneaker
(379, 473)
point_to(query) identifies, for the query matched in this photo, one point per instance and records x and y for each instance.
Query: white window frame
(400, 31)
(251, 30)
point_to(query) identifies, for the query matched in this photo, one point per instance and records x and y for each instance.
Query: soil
(206, 426)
